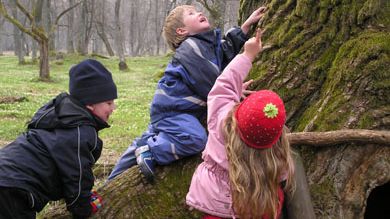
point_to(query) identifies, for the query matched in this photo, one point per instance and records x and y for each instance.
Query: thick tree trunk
(329, 60)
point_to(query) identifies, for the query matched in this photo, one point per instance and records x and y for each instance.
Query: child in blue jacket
(53, 159)
(179, 103)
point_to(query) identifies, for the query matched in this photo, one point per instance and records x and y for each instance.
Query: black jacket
(54, 158)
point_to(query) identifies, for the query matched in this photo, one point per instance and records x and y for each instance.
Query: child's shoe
(145, 161)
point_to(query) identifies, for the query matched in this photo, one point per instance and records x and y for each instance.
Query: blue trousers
(169, 139)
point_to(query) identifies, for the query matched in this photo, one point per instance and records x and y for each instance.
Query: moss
(362, 58)
(323, 194)
(366, 120)
(304, 8)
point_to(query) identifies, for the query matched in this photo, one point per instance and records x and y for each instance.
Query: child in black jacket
(53, 159)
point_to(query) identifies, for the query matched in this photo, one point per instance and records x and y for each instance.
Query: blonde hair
(173, 21)
(255, 174)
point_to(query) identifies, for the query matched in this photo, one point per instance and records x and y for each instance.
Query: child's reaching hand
(252, 19)
(253, 46)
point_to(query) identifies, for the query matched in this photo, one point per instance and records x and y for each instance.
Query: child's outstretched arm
(253, 46)
(252, 19)
(228, 88)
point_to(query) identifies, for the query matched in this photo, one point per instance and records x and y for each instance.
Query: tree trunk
(69, 31)
(87, 16)
(34, 49)
(44, 61)
(2, 20)
(18, 50)
(329, 60)
(48, 23)
(119, 37)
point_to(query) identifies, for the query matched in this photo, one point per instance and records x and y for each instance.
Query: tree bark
(326, 61)
(44, 74)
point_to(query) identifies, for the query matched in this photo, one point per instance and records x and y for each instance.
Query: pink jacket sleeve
(227, 89)
(225, 93)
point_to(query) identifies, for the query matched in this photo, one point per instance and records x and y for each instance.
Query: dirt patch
(12, 99)
(3, 143)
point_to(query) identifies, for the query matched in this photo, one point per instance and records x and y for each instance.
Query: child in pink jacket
(247, 154)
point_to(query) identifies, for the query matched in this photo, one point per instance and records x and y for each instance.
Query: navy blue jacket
(54, 158)
(192, 72)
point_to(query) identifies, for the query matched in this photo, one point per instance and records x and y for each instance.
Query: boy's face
(103, 110)
(194, 22)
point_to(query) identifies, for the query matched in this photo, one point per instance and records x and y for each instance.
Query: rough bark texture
(329, 60)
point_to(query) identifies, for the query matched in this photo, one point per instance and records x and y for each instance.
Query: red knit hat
(260, 119)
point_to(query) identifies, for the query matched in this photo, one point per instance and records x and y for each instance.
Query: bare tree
(36, 31)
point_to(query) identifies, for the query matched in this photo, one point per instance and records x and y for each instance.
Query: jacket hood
(64, 111)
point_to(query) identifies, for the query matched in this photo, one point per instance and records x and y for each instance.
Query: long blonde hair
(173, 21)
(255, 174)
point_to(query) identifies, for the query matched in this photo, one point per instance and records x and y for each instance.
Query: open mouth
(203, 19)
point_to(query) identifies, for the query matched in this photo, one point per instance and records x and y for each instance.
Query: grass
(21, 94)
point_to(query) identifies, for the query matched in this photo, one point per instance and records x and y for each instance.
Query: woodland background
(94, 26)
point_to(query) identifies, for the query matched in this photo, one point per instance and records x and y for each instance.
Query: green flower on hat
(270, 110)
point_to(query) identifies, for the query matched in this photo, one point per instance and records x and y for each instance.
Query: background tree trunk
(17, 36)
(2, 20)
(101, 26)
(69, 30)
(85, 26)
(119, 37)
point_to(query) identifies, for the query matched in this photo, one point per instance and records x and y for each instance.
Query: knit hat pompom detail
(90, 82)
(260, 119)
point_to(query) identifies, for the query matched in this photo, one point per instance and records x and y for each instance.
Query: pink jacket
(210, 190)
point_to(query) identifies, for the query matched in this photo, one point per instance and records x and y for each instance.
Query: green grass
(135, 91)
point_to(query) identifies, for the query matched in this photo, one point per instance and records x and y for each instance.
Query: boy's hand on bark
(253, 18)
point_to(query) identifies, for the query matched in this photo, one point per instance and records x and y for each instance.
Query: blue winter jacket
(190, 75)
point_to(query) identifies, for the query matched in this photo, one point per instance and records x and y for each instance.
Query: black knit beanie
(90, 82)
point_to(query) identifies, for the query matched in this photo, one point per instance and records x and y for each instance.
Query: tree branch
(65, 11)
(17, 23)
(25, 12)
(339, 137)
